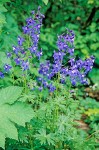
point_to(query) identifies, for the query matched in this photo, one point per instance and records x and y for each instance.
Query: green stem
(25, 82)
(31, 143)
(92, 135)
(30, 136)
(57, 83)
(25, 86)
(13, 78)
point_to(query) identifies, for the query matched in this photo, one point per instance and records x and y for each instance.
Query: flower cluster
(32, 29)
(79, 69)
(26, 47)
(76, 69)
(45, 71)
(65, 42)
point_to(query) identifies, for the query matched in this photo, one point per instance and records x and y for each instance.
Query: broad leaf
(2, 19)
(4, 1)
(45, 1)
(10, 94)
(12, 112)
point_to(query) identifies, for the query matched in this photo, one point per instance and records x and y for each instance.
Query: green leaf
(34, 71)
(2, 8)
(90, 112)
(4, 1)
(2, 16)
(2, 19)
(45, 1)
(4, 59)
(93, 27)
(10, 94)
(2, 141)
(11, 112)
(44, 137)
(94, 75)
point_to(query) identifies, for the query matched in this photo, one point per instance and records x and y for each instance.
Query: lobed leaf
(12, 112)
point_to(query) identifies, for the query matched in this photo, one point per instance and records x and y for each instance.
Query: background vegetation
(81, 16)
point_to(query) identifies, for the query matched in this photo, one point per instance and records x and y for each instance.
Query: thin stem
(13, 78)
(25, 82)
(91, 135)
(30, 137)
(57, 82)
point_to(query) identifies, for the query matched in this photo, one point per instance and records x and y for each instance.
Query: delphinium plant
(27, 50)
(54, 123)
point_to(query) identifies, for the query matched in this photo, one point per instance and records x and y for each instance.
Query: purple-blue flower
(25, 65)
(33, 49)
(17, 61)
(1, 74)
(58, 57)
(15, 49)
(52, 88)
(39, 54)
(20, 40)
(30, 21)
(56, 68)
(44, 68)
(26, 30)
(65, 42)
(40, 88)
(45, 83)
(7, 67)
(8, 55)
(64, 71)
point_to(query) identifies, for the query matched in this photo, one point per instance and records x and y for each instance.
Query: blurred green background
(81, 16)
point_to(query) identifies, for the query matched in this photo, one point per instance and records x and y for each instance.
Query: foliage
(45, 1)
(2, 17)
(10, 110)
(92, 111)
(53, 127)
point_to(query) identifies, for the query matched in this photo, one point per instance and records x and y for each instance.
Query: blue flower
(15, 49)
(40, 88)
(1, 75)
(26, 29)
(64, 71)
(72, 61)
(33, 49)
(65, 42)
(58, 57)
(56, 68)
(39, 54)
(30, 21)
(44, 68)
(51, 88)
(45, 84)
(8, 55)
(7, 67)
(25, 65)
(20, 40)
(17, 61)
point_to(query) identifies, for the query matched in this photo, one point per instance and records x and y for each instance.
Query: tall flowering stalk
(26, 49)
(76, 70)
